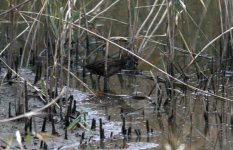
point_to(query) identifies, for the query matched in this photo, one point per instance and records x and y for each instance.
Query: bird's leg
(106, 84)
(99, 83)
(93, 82)
(121, 80)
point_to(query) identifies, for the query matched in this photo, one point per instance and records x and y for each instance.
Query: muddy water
(111, 109)
(190, 130)
(186, 128)
(194, 125)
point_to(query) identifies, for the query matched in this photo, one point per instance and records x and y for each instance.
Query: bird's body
(114, 66)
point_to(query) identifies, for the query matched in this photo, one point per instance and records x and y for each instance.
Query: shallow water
(187, 127)
(107, 108)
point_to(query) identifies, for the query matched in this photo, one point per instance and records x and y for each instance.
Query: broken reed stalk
(74, 107)
(123, 129)
(26, 96)
(93, 124)
(102, 136)
(53, 123)
(101, 129)
(82, 137)
(66, 134)
(43, 129)
(67, 121)
(147, 127)
(85, 118)
(19, 101)
(30, 124)
(100, 124)
(38, 72)
(68, 110)
(43, 145)
(70, 99)
(9, 110)
(26, 125)
(111, 134)
(60, 109)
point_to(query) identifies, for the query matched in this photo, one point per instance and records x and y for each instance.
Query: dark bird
(114, 65)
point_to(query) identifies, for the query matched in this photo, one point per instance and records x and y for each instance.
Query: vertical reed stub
(26, 96)
(147, 127)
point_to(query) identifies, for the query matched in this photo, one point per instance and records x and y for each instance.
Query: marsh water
(190, 119)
